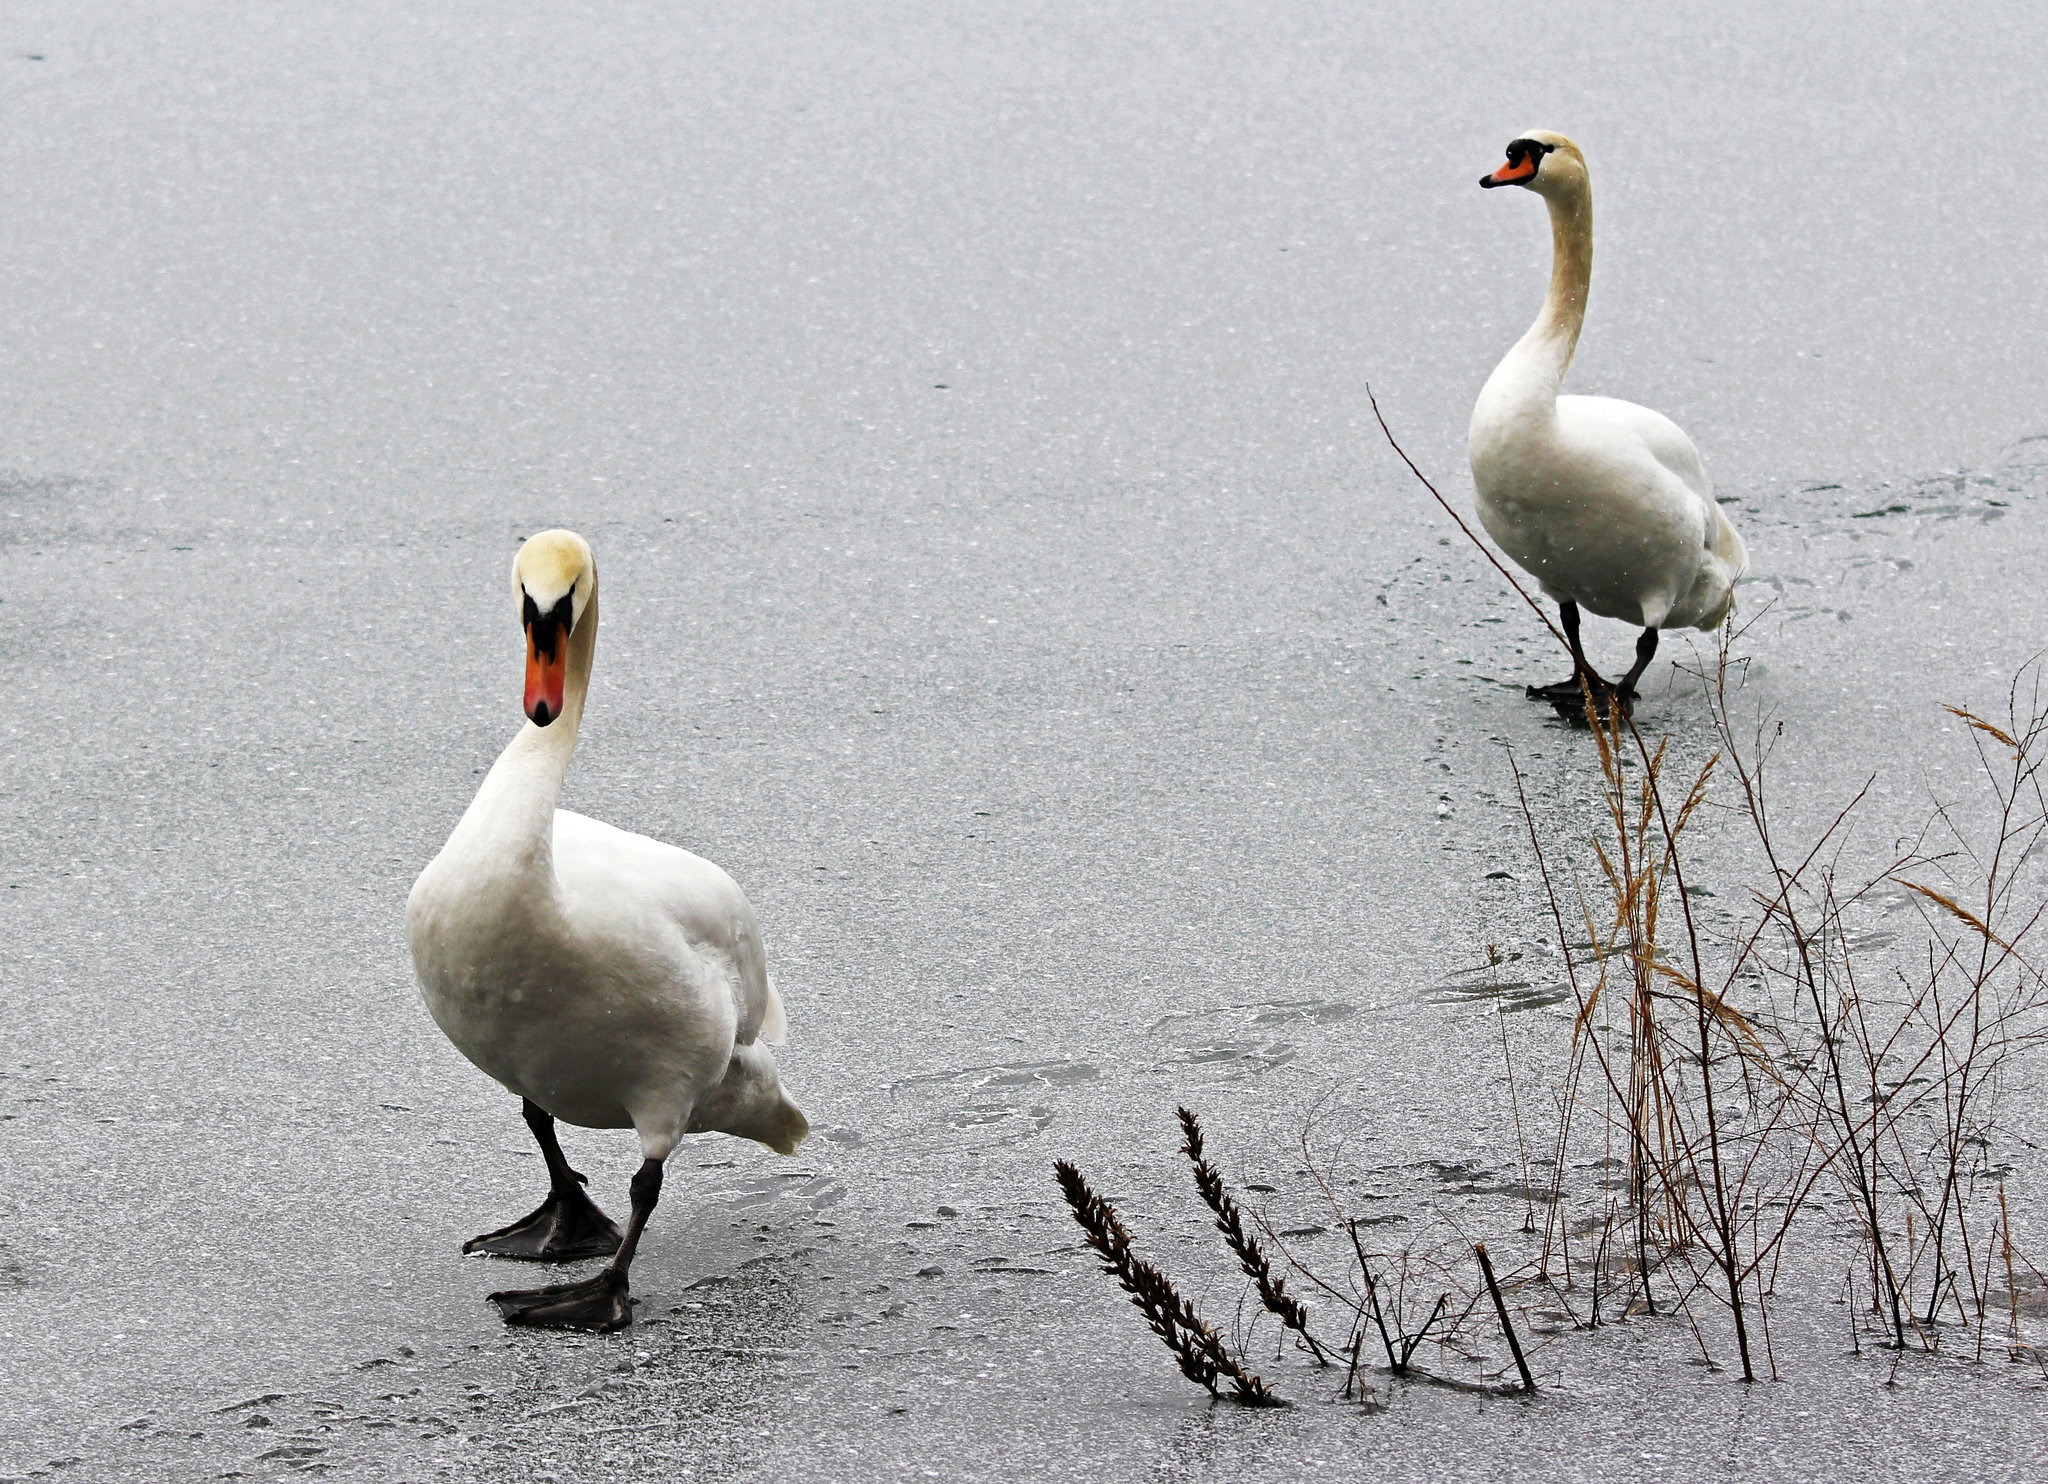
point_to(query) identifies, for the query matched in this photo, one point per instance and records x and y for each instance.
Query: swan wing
(1725, 559)
(1657, 435)
(1609, 506)
(1637, 433)
(625, 886)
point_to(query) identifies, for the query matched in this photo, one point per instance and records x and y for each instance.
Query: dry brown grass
(1793, 1081)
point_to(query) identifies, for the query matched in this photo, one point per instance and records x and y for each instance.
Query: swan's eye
(1524, 156)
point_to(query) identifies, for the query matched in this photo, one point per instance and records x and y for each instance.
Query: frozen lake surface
(1006, 582)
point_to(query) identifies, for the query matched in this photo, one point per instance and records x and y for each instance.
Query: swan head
(554, 578)
(1542, 160)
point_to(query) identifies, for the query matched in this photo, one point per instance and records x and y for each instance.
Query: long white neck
(1529, 375)
(510, 824)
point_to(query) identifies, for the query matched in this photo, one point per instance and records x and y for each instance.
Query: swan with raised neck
(604, 978)
(1605, 503)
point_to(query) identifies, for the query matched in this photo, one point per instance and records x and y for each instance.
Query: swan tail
(1711, 597)
(1726, 544)
(1719, 616)
(774, 1023)
(1727, 560)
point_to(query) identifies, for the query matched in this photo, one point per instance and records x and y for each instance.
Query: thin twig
(1471, 535)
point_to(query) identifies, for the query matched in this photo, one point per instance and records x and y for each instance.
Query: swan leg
(596, 1304)
(1568, 690)
(1568, 697)
(567, 1226)
(1646, 649)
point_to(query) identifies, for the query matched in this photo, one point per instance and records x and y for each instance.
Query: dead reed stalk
(1500, 1307)
(1271, 1287)
(1197, 1348)
(1740, 1074)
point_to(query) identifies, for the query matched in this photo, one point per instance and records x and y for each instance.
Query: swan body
(605, 978)
(1605, 503)
(616, 995)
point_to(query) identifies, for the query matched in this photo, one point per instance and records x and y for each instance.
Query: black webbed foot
(567, 1228)
(1568, 699)
(596, 1305)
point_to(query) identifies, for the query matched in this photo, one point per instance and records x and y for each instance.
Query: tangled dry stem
(1734, 1074)
(1742, 1075)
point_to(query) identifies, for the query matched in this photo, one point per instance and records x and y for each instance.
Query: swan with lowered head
(1606, 504)
(603, 977)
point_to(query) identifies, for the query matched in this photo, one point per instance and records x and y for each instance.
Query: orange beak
(1513, 171)
(546, 674)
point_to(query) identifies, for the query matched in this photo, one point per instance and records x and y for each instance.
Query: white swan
(606, 978)
(1606, 504)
